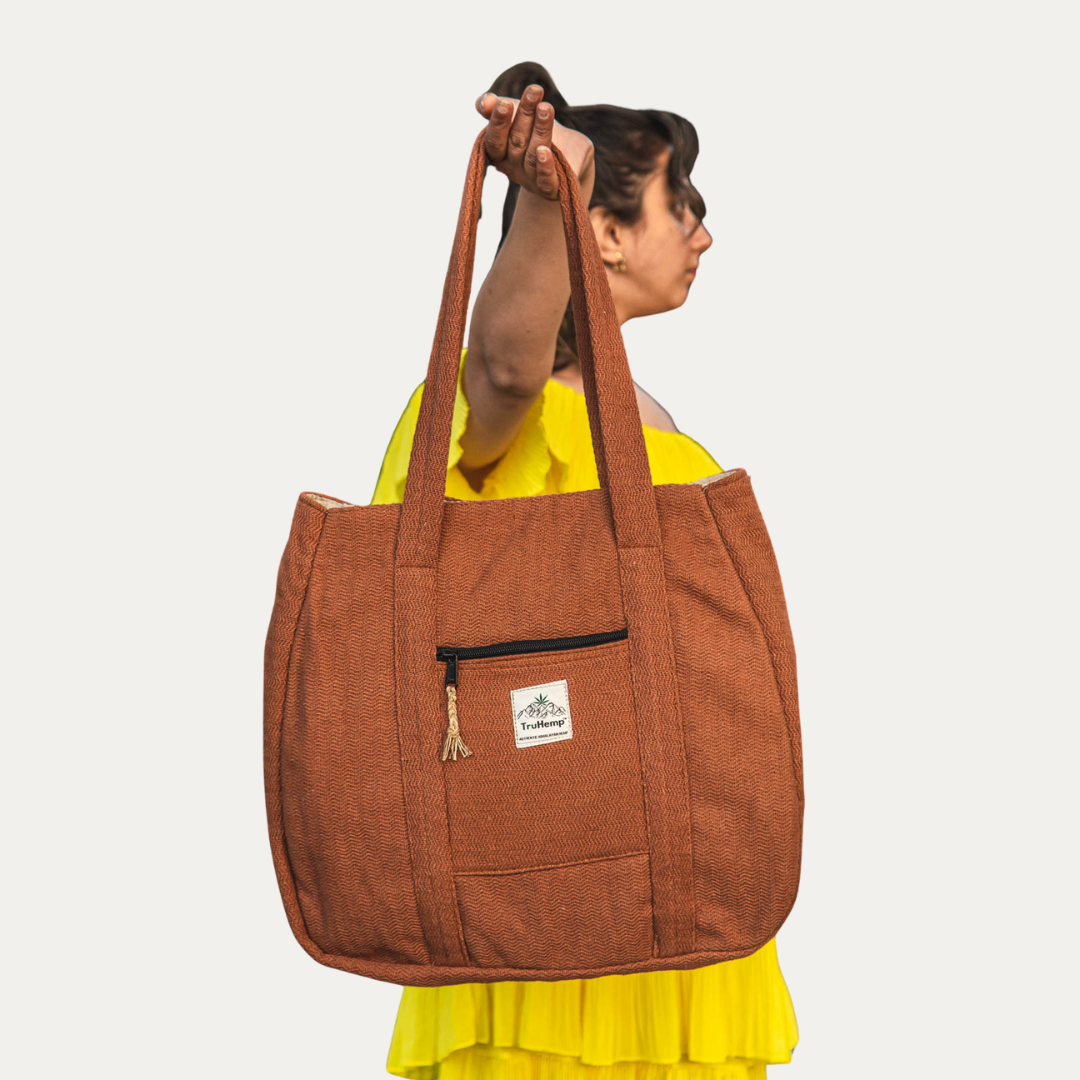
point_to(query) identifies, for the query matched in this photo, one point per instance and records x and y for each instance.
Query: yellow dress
(722, 1022)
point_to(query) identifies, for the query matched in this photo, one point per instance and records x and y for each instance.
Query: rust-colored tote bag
(533, 738)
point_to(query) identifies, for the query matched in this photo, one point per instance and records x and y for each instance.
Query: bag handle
(618, 444)
(626, 482)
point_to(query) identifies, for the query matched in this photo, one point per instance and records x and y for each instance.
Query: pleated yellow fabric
(721, 1022)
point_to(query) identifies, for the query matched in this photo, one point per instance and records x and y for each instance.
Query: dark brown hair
(626, 143)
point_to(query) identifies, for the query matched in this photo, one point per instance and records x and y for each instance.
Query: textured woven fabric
(387, 856)
(721, 1022)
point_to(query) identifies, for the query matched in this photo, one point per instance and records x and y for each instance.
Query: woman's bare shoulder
(652, 412)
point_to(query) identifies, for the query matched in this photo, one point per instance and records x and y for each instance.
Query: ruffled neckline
(557, 395)
(548, 440)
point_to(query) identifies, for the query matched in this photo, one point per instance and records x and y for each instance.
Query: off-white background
(225, 227)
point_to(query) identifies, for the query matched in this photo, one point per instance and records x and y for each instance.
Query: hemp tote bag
(533, 738)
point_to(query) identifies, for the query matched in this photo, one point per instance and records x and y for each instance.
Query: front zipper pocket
(452, 656)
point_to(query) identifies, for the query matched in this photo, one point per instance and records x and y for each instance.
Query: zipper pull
(452, 743)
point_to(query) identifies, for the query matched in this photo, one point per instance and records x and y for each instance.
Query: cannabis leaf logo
(541, 708)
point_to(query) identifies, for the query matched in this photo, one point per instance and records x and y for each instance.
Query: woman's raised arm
(521, 303)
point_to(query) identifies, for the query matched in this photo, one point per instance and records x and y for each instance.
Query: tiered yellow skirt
(722, 1022)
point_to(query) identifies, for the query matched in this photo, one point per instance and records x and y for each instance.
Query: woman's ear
(610, 234)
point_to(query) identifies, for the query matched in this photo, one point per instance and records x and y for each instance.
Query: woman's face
(662, 250)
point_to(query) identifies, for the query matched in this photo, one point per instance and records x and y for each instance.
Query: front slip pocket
(581, 915)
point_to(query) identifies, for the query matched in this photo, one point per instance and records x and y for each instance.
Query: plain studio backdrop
(225, 231)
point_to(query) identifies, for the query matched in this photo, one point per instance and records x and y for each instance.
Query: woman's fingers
(519, 138)
(541, 165)
(547, 179)
(522, 128)
(498, 130)
(541, 134)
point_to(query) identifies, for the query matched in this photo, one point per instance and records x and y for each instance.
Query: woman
(521, 428)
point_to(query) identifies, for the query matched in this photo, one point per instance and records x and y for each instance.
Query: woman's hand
(518, 140)
(515, 320)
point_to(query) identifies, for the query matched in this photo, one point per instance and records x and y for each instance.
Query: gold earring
(620, 262)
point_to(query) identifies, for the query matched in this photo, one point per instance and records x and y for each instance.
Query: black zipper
(450, 655)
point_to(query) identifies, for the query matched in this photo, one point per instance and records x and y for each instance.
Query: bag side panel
(292, 580)
(342, 789)
(738, 517)
(746, 814)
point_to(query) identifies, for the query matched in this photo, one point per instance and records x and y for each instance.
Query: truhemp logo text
(541, 714)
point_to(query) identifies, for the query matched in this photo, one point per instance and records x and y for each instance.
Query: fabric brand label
(541, 714)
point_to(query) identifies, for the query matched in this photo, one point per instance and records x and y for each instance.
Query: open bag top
(534, 738)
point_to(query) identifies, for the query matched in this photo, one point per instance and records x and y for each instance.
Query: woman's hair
(626, 143)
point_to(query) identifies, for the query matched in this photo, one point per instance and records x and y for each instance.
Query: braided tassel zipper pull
(453, 742)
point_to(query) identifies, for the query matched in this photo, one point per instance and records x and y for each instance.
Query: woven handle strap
(625, 479)
(618, 445)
